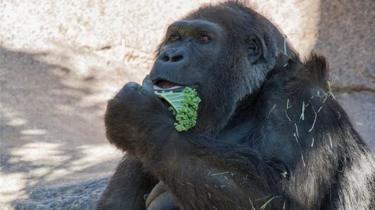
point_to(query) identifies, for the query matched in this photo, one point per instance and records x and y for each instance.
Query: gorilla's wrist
(154, 144)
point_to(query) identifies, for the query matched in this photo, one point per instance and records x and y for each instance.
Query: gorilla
(269, 134)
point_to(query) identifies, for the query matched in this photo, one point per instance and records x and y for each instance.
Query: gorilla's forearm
(202, 172)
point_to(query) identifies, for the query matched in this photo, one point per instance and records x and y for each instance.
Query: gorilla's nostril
(171, 55)
(165, 58)
(176, 58)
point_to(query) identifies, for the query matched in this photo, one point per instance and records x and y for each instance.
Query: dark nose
(171, 56)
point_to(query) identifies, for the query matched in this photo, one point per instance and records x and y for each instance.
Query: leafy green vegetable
(184, 105)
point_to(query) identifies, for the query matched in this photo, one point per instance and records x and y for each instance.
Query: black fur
(270, 134)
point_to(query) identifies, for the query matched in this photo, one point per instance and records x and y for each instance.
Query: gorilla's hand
(135, 115)
(161, 198)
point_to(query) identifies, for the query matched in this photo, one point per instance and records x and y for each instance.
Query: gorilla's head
(225, 52)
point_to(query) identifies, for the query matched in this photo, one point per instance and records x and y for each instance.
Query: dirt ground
(51, 127)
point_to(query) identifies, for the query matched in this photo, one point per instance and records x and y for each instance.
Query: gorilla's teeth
(169, 88)
(175, 87)
(157, 87)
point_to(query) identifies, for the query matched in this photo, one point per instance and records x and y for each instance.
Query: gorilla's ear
(256, 48)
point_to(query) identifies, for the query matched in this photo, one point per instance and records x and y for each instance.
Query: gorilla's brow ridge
(194, 25)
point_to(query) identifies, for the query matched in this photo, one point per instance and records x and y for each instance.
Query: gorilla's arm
(127, 187)
(202, 172)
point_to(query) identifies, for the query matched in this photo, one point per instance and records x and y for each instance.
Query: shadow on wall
(50, 129)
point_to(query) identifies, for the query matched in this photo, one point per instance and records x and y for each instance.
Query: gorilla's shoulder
(316, 70)
(299, 75)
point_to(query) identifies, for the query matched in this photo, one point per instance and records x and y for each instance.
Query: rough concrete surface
(61, 60)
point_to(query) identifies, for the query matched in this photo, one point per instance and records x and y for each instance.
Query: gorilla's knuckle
(132, 85)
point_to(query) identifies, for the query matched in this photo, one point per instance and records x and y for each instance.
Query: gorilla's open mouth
(166, 85)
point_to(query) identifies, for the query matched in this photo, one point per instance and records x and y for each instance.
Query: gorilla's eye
(204, 38)
(174, 37)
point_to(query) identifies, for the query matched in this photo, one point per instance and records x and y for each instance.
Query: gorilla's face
(190, 49)
(201, 54)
